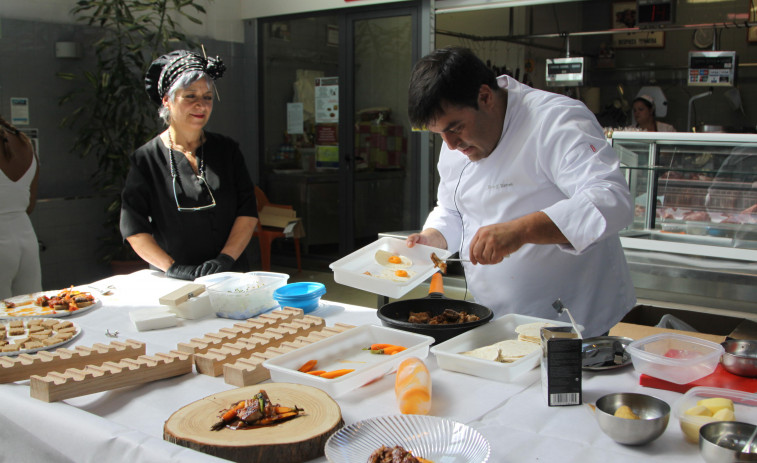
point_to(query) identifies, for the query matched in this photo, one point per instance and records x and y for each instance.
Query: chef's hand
(428, 237)
(492, 243)
(222, 263)
(183, 272)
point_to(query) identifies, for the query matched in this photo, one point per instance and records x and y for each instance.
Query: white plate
(33, 297)
(449, 358)
(350, 270)
(345, 350)
(37, 349)
(430, 437)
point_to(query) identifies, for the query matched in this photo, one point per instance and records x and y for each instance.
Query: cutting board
(299, 439)
(719, 378)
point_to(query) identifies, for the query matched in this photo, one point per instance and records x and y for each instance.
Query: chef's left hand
(492, 243)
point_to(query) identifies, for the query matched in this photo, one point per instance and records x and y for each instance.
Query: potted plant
(113, 115)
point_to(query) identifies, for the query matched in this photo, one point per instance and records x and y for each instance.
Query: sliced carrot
(316, 372)
(391, 350)
(307, 366)
(379, 346)
(336, 373)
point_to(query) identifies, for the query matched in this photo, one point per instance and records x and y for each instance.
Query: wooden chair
(266, 235)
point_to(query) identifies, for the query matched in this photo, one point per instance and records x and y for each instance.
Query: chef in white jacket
(530, 191)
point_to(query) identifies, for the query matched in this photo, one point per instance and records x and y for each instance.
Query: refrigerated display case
(694, 234)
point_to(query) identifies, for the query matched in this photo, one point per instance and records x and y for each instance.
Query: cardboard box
(561, 362)
(279, 217)
(641, 321)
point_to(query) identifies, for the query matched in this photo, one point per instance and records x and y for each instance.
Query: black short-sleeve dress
(190, 237)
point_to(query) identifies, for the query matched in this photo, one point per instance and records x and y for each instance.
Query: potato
(716, 403)
(724, 414)
(690, 427)
(624, 411)
(699, 410)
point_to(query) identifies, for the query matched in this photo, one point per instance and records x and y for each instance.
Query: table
(127, 424)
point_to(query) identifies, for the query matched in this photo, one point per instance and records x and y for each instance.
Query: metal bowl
(740, 357)
(653, 413)
(723, 442)
(605, 353)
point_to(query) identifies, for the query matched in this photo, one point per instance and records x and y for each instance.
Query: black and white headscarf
(164, 71)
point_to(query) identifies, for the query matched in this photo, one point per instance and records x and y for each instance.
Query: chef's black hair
(452, 75)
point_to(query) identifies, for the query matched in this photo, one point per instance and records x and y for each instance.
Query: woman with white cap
(188, 205)
(644, 115)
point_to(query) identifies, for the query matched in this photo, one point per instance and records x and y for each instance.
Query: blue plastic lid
(301, 290)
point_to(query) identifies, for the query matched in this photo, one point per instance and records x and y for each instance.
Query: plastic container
(243, 295)
(303, 295)
(744, 408)
(345, 350)
(449, 358)
(675, 357)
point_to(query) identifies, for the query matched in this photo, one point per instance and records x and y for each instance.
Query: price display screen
(712, 68)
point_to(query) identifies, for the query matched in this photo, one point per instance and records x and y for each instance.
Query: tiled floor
(340, 293)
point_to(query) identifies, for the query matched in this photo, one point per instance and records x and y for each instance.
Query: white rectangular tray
(449, 358)
(345, 350)
(350, 270)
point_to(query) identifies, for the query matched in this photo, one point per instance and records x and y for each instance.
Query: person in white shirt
(644, 116)
(530, 191)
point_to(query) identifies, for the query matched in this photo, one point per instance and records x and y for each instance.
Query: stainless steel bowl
(740, 357)
(653, 413)
(723, 442)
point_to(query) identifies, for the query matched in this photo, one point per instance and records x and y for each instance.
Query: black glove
(183, 272)
(222, 263)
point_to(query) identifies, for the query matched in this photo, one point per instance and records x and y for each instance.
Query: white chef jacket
(553, 157)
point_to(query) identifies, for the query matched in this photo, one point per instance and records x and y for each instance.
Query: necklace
(200, 159)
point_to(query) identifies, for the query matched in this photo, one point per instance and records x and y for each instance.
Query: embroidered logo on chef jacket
(500, 186)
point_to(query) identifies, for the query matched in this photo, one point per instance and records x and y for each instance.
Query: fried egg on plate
(391, 260)
(397, 275)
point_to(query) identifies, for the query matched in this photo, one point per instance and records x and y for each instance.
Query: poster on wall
(19, 111)
(326, 100)
(752, 31)
(624, 17)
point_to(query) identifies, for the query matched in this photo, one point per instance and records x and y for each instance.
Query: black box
(561, 366)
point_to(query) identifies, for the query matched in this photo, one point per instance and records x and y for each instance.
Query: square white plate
(350, 270)
(449, 358)
(345, 350)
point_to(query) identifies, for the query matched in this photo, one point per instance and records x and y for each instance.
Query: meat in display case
(695, 207)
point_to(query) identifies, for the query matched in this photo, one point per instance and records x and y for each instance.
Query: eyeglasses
(200, 178)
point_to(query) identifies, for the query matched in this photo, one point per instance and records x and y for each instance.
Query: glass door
(379, 172)
(334, 131)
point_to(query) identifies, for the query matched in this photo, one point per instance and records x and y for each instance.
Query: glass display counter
(694, 234)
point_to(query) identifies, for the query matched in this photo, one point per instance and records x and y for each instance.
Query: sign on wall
(624, 17)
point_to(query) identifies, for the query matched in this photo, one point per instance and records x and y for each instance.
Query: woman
(644, 114)
(188, 205)
(20, 271)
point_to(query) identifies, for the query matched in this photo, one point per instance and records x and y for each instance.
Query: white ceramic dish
(350, 270)
(37, 349)
(449, 358)
(744, 408)
(675, 357)
(345, 350)
(430, 437)
(29, 300)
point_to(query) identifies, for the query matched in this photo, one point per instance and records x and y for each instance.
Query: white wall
(222, 22)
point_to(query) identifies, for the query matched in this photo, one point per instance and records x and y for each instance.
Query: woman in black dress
(188, 205)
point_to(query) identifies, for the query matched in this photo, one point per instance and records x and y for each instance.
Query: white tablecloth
(127, 424)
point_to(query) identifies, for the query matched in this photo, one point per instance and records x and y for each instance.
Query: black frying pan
(395, 314)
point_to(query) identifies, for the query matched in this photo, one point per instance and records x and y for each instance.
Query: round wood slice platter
(296, 440)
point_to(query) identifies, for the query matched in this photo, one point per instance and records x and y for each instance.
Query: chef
(530, 191)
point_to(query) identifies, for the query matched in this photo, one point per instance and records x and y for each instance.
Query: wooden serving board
(299, 439)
